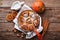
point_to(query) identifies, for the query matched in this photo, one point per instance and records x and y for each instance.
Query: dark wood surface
(52, 13)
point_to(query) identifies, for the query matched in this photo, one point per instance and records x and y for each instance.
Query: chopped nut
(18, 35)
(22, 33)
(14, 30)
(22, 36)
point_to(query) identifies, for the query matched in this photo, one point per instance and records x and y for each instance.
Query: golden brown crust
(11, 16)
(26, 20)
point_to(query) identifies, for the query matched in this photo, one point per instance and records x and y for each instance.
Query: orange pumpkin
(38, 6)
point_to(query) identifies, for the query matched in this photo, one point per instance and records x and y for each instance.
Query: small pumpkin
(38, 6)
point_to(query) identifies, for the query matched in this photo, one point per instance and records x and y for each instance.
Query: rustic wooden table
(52, 12)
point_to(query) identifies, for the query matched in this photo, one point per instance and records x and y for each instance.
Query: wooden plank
(9, 36)
(12, 36)
(10, 26)
(52, 14)
(5, 9)
(52, 35)
(3, 19)
(54, 27)
(3, 14)
(51, 3)
(55, 19)
(8, 3)
(6, 26)
(55, 16)
(6, 31)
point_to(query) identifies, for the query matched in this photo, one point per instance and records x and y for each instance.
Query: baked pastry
(11, 16)
(28, 20)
